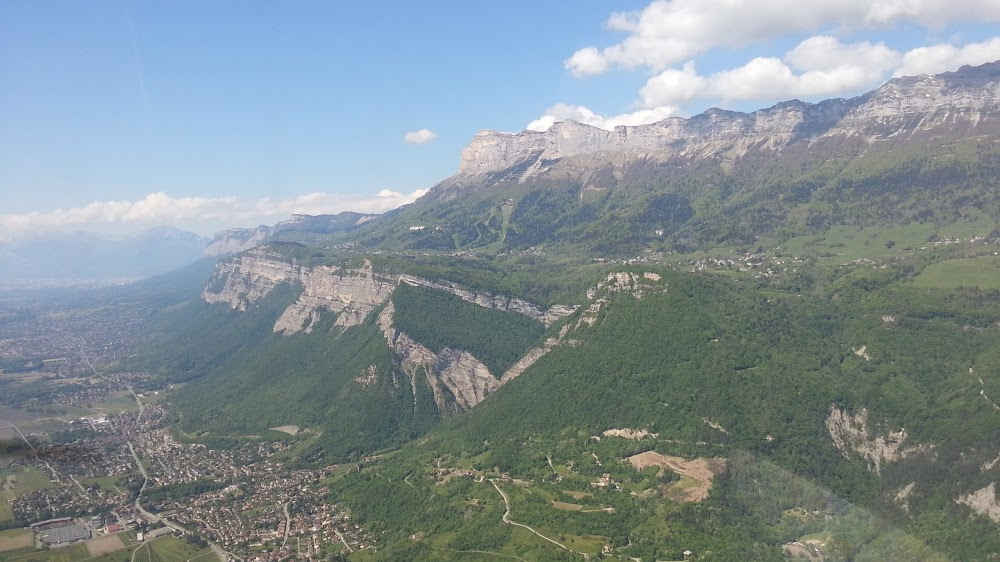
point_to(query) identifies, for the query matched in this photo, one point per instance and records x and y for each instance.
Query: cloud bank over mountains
(204, 215)
(668, 37)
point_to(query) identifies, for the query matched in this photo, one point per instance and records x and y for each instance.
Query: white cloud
(825, 52)
(673, 86)
(581, 114)
(940, 58)
(669, 32)
(196, 212)
(420, 137)
(818, 66)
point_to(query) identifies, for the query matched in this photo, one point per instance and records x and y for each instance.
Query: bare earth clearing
(289, 429)
(104, 545)
(700, 469)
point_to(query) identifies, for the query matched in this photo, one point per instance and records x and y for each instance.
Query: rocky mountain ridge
(235, 240)
(62, 259)
(352, 294)
(967, 98)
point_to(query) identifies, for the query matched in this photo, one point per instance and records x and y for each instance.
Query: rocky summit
(964, 103)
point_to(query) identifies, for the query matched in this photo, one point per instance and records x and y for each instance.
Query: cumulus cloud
(158, 209)
(670, 32)
(819, 66)
(940, 58)
(420, 137)
(581, 114)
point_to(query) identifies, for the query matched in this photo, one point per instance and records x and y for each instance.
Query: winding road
(507, 520)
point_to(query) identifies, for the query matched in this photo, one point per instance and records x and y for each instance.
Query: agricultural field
(980, 272)
(74, 553)
(5, 512)
(113, 548)
(171, 549)
(843, 244)
(120, 402)
(16, 539)
(104, 545)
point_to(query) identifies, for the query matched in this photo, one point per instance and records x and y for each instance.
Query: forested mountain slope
(748, 336)
(918, 148)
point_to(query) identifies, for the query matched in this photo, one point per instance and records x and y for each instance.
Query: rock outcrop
(465, 379)
(236, 240)
(903, 106)
(983, 501)
(457, 378)
(351, 294)
(495, 302)
(248, 278)
(852, 435)
(233, 241)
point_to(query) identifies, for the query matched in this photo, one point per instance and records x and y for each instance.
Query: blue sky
(122, 115)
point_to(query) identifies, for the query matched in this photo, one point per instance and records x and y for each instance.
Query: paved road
(343, 540)
(288, 524)
(78, 485)
(142, 407)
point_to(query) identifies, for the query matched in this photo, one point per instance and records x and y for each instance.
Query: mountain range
(88, 257)
(748, 336)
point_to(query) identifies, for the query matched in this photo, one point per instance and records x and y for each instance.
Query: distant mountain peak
(241, 239)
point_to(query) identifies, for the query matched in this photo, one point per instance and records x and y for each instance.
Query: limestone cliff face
(458, 380)
(852, 435)
(236, 240)
(495, 302)
(248, 278)
(351, 294)
(966, 100)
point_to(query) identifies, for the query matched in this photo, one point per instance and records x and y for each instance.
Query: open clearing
(16, 539)
(982, 273)
(26, 480)
(699, 473)
(104, 545)
(567, 506)
(172, 549)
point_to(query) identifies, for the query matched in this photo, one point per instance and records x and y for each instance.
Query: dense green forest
(438, 320)
(721, 365)
(764, 366)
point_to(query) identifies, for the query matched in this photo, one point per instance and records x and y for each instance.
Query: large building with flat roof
(64, 534)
